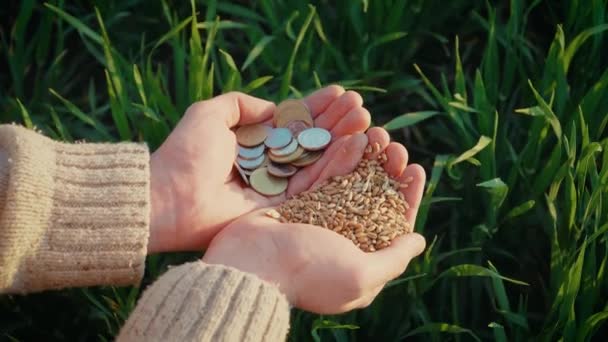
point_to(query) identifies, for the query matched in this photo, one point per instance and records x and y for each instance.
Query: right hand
(194, 191)
(318, 269)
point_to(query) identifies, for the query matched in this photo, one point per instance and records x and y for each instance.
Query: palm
(202, 149)
(318, 269)
(298, 255)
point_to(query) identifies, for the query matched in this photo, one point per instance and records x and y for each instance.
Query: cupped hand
(317, 269)
(194, 191)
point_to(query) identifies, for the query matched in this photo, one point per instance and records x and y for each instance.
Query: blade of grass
(27, 120)
(115, 83)
(481, 144)
(76, 23)
(440, 327)
(409, 119)
(257, 83)
(288, 74)
(499, 332)
(384, 39)
(257, 49)
(82, 116)
(470, 270)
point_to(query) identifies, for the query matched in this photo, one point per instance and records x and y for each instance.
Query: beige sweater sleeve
(71, 214)
(200, 302)
(78, 215)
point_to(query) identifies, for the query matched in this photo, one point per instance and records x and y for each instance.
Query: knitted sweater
(78, 215)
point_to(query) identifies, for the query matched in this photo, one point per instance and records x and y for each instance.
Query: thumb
(391, 262)
(242, 109)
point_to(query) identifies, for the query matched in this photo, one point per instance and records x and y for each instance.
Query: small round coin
(265, 162)
(250, 163)
(297, 126)
(307, 158)
(314, 139)
(267, 184)
(251, 152)
(251, 135)
(278, 138)
(241, 173)
(288, 158)
(292, 110)
(282, 170)
(287, 150)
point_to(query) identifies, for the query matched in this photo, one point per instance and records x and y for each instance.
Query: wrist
(162, 215)
(251, 262)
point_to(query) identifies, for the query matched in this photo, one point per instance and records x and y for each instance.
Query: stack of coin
(268, 156)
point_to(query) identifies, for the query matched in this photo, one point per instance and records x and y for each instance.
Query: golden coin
(292, 110)
(251, 135)
(267, 184)
(288, 158)
(307, 158)
(297, 126)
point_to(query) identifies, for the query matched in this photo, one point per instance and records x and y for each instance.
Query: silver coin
(242, 173)
(278, 138)
(251, 152)
(287, 150)
(314, 139)
(250, 163)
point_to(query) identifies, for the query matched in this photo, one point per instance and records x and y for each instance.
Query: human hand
(194, 191)
(317, 269)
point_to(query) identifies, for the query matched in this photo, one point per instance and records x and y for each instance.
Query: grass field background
(503, 102)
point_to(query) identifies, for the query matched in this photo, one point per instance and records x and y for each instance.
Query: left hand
(194, 191)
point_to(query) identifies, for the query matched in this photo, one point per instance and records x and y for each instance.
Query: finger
(413, 179)
(338, 109)
(396, 159)
(345, 159)
(305, 177)
(236, 108)
(318, 101)
(357, 120)
(379, 140)
(389, 263)
(369, 298)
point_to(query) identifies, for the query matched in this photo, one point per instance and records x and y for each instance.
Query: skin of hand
(194, 189)
(317, 269)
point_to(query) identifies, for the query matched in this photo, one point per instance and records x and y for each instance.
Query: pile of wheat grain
(366, 206)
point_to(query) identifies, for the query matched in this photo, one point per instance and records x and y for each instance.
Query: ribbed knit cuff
(3, 179)
(75, 214)
(200, 302)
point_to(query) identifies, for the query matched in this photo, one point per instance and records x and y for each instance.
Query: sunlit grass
(505, 106)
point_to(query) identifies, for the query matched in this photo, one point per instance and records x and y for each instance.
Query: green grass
(504, 104)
